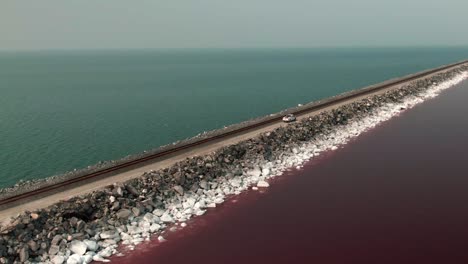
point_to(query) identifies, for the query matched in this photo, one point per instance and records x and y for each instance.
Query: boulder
(24, 254)
(109, 234)
(134, 230)
(91, 245)
(124, 213)
(74, 259)
(236, 182)
(150, 218)
(136, 211)
(56, 240)
(53, 250)
(99, 258)
(33, 245)
(158, 212)
(115, 206)
(189, 203)
(255, 172)
(105, 253)
(179, 189)
(262, 184)
(118, 191)
(132, 190)
(204, 184)
(87, 259)
(154, 228)
(166, 218)
(80, 225)
(110, 242)
(78, 247)
(179, 177)
(58, 259)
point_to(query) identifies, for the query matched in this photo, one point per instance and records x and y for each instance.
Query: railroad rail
(307, 108)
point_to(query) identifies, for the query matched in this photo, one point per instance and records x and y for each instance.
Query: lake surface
(396, 194)
(64, 110)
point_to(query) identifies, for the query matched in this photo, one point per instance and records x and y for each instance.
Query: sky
(124, 24)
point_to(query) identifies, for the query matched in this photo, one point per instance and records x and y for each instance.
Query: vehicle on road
(289, 118)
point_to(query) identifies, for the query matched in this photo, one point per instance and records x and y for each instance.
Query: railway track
(5, 202)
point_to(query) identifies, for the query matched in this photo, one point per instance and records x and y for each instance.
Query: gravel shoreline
(90, 227)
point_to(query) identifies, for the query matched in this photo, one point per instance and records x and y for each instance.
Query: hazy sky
(98, 24)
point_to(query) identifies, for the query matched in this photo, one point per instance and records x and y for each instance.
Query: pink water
(397, 194)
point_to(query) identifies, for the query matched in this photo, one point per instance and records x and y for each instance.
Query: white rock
(255, 172)
(87, 259)
(105, 253)
(110, 242)
(109, 234)
(74, 259)
(183, 224)
(137, 240)
(145, 227)
(126, 236)
(119, 191)
(262, 184)
(112, 199)
(134, 230)
(190, 202)
(200, 212)
(227, 190)
(151, 218)
(99, 258)
(154, 228)
(58, 259)
(91, 245)
(161, 239)
(204, 184)
(158, 212)
(236, 182)
(255, 188)
(266, 172)
(166, 218)
(197, 205)
(78, 247)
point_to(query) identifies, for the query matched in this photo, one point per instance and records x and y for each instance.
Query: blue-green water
(64, 110)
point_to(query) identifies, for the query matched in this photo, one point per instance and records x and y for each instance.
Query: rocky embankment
(92, 226)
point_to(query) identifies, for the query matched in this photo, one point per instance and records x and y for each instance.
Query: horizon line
(235, 48)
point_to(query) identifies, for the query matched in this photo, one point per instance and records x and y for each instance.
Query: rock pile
(90, 227)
